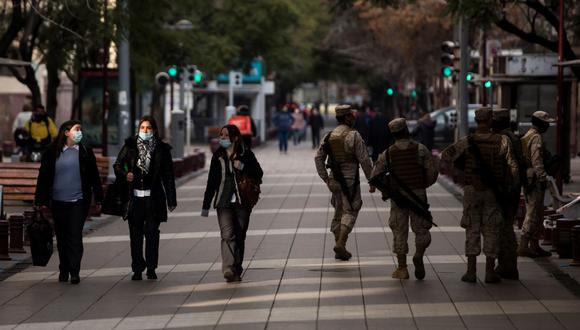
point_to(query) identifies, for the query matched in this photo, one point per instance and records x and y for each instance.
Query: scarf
(145, 150)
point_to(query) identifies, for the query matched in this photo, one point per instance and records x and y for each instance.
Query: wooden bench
(19, 179)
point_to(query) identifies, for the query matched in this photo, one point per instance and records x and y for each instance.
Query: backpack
(244, 123)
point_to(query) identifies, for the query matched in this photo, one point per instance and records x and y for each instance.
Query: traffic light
(390, 91)
(197, 77)
(469, 76)
(487, 84)
(172, 71)
(414, 93)
(449, 58)
(236, 78)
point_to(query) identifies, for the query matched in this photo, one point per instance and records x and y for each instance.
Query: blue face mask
(145, 136)
(225, 143)
(77, 136)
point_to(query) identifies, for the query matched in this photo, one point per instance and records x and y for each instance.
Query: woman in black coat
(230, 162)
(145, 167)
(67, 179)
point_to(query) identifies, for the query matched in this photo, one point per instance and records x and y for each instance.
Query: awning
(569, 63)
(11, 62)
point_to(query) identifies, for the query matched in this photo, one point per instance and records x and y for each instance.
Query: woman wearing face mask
(228, 163)
(145, 165)
(67, 179)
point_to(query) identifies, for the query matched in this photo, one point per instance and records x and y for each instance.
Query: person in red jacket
(243, 120)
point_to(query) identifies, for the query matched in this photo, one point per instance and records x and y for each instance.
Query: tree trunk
(53, 82)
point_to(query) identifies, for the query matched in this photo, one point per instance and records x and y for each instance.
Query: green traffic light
(414, 93)
(487, 84)
(172, 71)
(197, 77)
(390, 91)
(469, 76)
(447, 72)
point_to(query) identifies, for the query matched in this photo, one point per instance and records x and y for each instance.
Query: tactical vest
(337, 145)
(490, 152)
(405, 164)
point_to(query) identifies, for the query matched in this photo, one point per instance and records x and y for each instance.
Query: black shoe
(75, 279)
(230, 276)
(151, 274)
(137, 276)
(63, 277)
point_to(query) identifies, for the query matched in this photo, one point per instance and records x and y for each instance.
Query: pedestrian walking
(490, 167)
(298, 126)
(379, 135)
(230, 163)
(243, 120)
(67, 181)
(416, 170)
(424, 132)
(43, 132)
(283, 122)
(144, 167)
(507, 258)
(316, 123)
(345, 151)
(535, 184)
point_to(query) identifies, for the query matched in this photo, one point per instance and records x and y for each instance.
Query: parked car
(444, 128)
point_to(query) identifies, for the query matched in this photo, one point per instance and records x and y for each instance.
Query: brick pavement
(291, 280)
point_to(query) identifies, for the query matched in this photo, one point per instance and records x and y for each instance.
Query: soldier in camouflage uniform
(534, 152)
(416, 167)
(507, 258)
(482, 214)
(349, 151)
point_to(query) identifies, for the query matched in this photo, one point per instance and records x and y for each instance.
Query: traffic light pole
(464, 68)
(124, 79)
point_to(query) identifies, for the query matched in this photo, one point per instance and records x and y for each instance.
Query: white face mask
(145, 136)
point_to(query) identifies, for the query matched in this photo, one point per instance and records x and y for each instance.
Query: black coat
(163, 194)
(91, 180)
(214, 180)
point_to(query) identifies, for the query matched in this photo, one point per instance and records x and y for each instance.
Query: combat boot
(419, 266)
(340, 248)
(524, 249)
(336, 255)
(401, 272)
(535, 247)
(471, 275)
(490, 274)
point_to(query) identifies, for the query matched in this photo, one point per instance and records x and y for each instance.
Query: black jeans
(233, 227)
(69, 219)
(315, 138)
(142, 224)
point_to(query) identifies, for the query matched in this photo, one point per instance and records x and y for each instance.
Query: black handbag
(40, 233)
(116, 201)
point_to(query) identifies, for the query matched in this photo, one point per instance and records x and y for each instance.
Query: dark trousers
(283, 139)
(233, 227)
(69, 219)
(315, 137)
(142, 224)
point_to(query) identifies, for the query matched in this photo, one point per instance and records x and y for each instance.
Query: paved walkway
(291, 280)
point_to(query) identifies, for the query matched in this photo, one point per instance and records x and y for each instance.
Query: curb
(20, 264)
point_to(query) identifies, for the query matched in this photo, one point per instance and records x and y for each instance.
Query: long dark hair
(151, 121)
(234, 131)
(60, 140)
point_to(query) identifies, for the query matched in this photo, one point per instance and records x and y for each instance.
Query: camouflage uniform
(507, 255)
(533, 152)
(349, 150)
(413, 164)
(482, 215)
